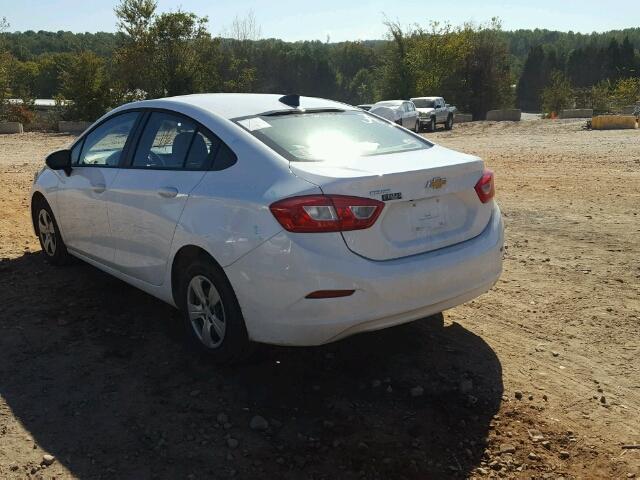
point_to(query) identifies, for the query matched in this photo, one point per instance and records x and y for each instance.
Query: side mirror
(60, 160)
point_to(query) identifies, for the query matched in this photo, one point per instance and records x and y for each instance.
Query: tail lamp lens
(485, 188)
(326, 213)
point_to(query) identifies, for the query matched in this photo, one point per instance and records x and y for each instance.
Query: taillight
(326, 213)
(485, 188)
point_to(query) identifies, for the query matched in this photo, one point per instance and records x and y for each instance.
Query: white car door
(82, 210)
(406, 116)
(441, 111)
(148, 196)
(413, 115)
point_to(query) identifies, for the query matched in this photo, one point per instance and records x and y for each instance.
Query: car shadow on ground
(96, 371)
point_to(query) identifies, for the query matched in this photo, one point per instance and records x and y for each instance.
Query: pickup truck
(432, 111)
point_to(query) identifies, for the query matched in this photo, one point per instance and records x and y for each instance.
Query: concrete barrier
(462, 117)
(72, 127)
(508, 115)
(613, 122)
(11, 127)
(577, 113)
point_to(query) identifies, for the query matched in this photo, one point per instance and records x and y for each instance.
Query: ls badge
(436, 183)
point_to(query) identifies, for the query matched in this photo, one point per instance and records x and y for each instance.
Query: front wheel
(432, 125)
(53, 247)
(417, 127)
(213, 320)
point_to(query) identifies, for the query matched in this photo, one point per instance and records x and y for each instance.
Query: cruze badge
(436, 183)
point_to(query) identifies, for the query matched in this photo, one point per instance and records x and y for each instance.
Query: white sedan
(287, 220)
(402, 112)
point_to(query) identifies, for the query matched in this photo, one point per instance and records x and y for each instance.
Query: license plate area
(427, 216)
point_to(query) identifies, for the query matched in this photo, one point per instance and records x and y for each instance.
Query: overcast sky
(337, 19)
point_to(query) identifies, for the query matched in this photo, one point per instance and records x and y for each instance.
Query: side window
(225, 158)
(165, 142)
(202, 150)
(103, 146)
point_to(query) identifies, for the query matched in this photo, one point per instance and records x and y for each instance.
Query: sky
(337, 20)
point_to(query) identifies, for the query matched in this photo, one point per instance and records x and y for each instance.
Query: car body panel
(143, 216)
(402, 112)
(419, 215)
(272, 281)
(226, 213)
(83, 212)
(441, 111)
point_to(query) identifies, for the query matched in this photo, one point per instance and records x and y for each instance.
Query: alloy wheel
(47, 232)
(206, 312)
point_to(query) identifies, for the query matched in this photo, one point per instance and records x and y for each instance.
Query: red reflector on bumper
(330, 293)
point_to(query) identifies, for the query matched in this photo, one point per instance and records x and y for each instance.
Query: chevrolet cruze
(278, 219)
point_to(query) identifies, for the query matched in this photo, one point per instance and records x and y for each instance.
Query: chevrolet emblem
(436, 183)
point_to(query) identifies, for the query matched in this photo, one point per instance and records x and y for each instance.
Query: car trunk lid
(429, 196)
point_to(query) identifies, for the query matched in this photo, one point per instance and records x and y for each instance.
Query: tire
(432, 125)
(213, 321)
(53, 248)
(449, 124)
(417, 127)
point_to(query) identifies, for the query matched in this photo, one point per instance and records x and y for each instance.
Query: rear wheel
(449, 124)
(53, 247)
(213, 321)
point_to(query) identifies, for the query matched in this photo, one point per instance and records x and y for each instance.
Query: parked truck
(432, 111)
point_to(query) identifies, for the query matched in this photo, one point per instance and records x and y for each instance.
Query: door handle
(99, 187)
(168, 192)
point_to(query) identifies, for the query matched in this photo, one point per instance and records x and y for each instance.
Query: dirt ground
(539, 378)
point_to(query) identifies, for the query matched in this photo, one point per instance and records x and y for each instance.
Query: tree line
(156, 54)
(595, 76)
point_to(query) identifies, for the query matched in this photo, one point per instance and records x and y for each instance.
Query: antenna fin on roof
(292, 100)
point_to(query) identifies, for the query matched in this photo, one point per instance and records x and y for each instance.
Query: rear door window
(165, 142)
(174, 142)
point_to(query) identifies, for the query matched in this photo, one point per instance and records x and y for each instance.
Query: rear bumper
(272, 281)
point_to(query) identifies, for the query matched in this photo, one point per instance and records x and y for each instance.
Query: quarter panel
(228, 214)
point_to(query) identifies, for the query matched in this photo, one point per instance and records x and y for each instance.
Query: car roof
(392, 102)
(235, 105)
(425, 98)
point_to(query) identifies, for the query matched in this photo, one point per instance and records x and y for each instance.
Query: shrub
(558, 95)
(18, 113)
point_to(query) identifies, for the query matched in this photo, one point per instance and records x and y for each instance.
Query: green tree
(626, 92)
(487, 72)
(134, 65)
(85, 83)
(532, 81)
(5, 62)
(177, 37)
(23, 83)
(394, 72)
(559, 94)
(161, 53)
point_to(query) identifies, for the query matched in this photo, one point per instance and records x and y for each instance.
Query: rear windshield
(330, 136)
(388, 104)
(422, 103)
